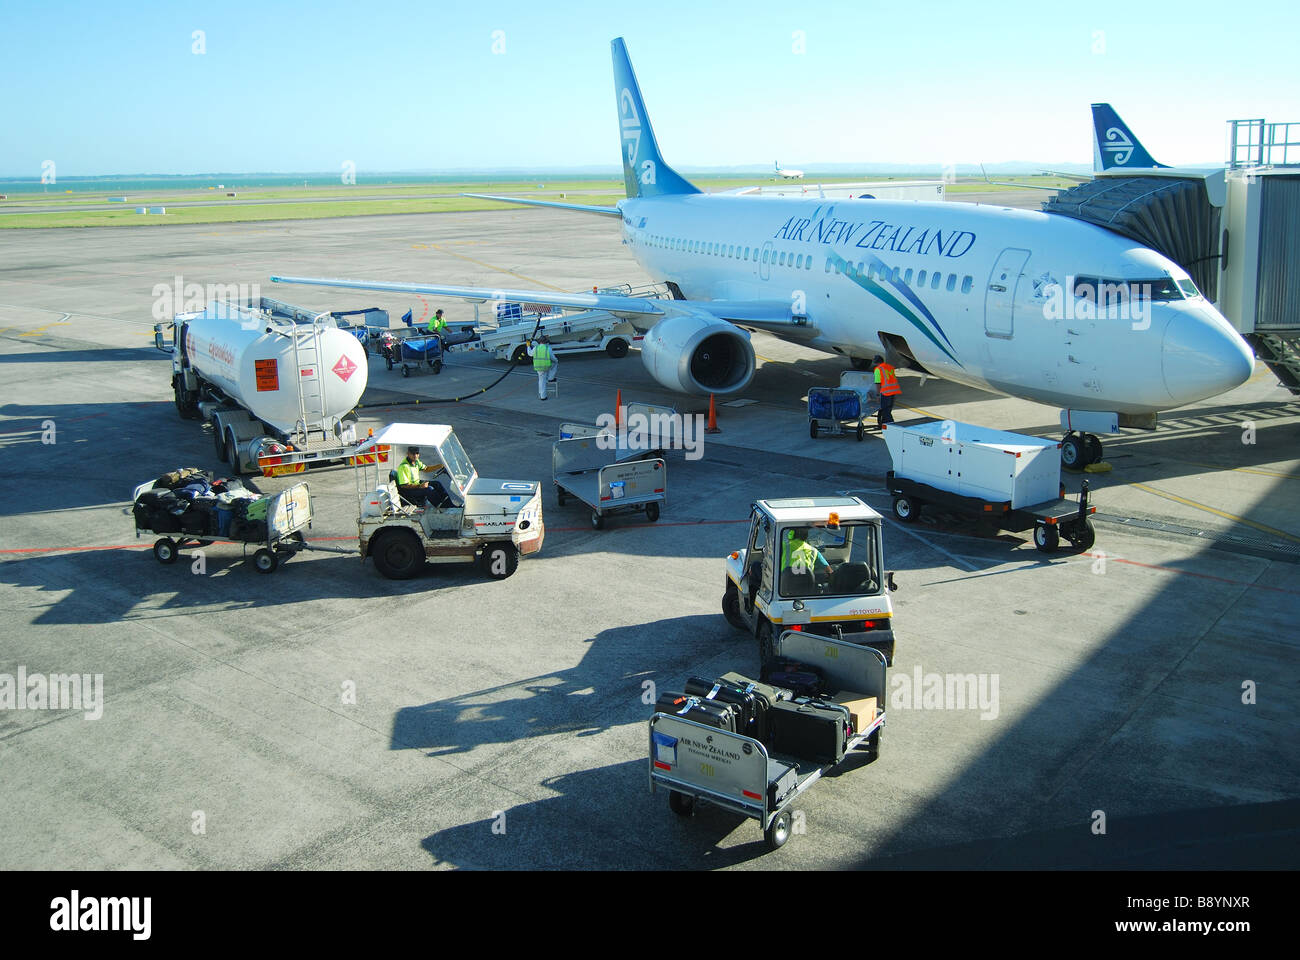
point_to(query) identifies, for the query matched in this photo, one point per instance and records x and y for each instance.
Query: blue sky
(104, 89)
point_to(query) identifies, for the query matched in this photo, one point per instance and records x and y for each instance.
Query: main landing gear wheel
(265, 561)
(906, 509)
(778, 831)
(165, 550)
(1094, 448)
(1046, 538)
(1080, 449)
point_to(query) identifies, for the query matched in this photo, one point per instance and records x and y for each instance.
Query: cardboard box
(862, 708)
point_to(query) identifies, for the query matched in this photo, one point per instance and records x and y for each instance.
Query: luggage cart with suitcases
(833, 411)
(721, 747)
(274, 525)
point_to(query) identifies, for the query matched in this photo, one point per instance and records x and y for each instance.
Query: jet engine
(697, 354)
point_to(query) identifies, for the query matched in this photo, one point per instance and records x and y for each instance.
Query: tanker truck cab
(815, 565)
(491, 522)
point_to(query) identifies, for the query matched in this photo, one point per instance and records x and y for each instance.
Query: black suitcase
(804, 680)
(708, 712)
(782, 778)
(751, 709)
(810, 729)
(765, 690)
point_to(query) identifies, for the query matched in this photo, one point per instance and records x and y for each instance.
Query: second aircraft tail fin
(1113, 144)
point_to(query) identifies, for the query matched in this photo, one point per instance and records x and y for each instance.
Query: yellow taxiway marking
(1218, 513)
(924, 413)
(39, 330)
(1256, 470)
(509, 273)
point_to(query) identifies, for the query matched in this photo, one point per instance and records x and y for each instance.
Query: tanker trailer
(277, 384)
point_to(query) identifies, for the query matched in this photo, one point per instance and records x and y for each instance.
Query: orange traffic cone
(713, 418)
(618, 407)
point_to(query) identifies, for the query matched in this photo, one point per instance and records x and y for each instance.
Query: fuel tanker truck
(278, 384)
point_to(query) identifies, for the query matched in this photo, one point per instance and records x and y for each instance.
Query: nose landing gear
(1078, 450)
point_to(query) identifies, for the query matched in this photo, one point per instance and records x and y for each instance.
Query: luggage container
(608, 476)
(699, 762)
(833, 411)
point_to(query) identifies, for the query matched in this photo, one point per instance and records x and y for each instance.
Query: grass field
(324, 202)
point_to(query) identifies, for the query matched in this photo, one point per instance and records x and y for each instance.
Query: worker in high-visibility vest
(437, 324)
(544, 363)
(419, 492)
(800, 556)
(888, 389)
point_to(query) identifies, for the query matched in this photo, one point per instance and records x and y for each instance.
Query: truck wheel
(1074, 452)
(906, 509)
(616, 348)
(265, 561)
(165, 550)
(812, 429)
(232, 454)
(680, 803)
(218, 440)
(1046, 538)
(520, 354)
(597, 521)
(731, 607)
(1083, 536)
(778, 831)
(652, 512)
(500, 560)
(766, 644)
(398, 554)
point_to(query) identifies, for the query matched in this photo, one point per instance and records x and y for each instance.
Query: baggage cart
(608, 476)
(288, 514)
(696, 762)
(833, 411)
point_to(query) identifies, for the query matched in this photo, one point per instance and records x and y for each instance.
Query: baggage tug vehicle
(843, 596)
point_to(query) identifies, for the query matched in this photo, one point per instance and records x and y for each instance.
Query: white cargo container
(974, 461)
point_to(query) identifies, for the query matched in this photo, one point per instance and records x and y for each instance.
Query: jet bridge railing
(1255, 143)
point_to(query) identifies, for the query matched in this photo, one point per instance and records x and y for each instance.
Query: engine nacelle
(699, 355)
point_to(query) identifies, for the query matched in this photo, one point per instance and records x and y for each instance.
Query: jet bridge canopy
(1172, 215)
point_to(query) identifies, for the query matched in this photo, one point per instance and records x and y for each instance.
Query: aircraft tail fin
(644, 172)
(1113, 144)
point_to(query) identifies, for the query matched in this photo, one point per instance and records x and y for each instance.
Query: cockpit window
(1189, 289)
(1101, 291)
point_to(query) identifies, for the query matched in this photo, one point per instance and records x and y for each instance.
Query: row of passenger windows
(801, 261)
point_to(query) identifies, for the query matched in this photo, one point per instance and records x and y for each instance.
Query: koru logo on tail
(631, 122)
(1118, 145)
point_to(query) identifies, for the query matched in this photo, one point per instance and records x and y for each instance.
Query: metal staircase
(1281, 352)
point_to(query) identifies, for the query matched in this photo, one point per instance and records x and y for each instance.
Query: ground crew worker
(800, 556)
(412, 489)
(437, 324)
(888, 389)
(545, 363)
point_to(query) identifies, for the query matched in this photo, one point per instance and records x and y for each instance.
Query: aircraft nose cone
(1203, 357)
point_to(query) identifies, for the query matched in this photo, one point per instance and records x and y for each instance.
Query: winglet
(1113, 144)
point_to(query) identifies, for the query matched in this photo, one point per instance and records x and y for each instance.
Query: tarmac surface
(1149, 687)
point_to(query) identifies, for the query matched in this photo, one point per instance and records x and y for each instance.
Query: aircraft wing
(773, 316)
(628, 308)
(579, 207)
(1026, 186)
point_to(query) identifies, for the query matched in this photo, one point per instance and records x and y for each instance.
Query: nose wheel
(1080, 449)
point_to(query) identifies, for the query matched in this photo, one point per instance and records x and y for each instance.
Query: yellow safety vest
(408, 473)
(542, 357)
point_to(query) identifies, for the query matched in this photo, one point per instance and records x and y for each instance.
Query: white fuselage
(980, 295)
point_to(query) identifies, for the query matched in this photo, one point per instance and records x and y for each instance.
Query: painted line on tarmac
(1107, 558)
(1272, 531)
(509, 273)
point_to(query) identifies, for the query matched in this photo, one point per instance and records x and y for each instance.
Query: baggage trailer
(1007, 479)
(696, 762)
(832, 412)
(288, 514)
(609, 477)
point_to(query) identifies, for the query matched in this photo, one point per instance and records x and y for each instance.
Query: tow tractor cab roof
(408, 435)
(815, 510)
(436, 441)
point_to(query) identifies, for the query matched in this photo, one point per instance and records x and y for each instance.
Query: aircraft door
(1000, 297)
(765, 261)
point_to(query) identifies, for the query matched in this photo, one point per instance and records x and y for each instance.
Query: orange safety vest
(888, 382)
